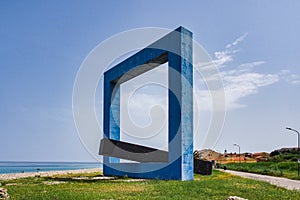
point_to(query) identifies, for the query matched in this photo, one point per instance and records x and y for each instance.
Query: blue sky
(42, 45)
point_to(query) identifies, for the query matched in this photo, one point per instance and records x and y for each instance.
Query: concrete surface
(278, 181)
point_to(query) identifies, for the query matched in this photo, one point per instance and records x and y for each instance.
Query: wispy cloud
(226, 55)
(223, 57)
(249, 66)
(239, 81)
(289, 77)
(242, 80)
(239, 84)
(236, 41)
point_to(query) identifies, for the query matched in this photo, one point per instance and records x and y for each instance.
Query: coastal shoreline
(47, 173)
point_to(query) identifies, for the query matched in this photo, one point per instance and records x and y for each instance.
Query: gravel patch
(53, 182)
(46, 174)
(133, 180)
(95, 178)
(104, 178)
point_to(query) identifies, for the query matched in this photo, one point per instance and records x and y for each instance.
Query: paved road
(278, 181)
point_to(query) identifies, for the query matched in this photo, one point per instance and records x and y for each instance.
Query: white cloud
(238, 40)
(223, 57)
(141, 103)
(226, 55)
(238, 85)
(238, 82)
(248, 66)
(289, 77)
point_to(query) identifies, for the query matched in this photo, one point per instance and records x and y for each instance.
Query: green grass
(281, 169)
(217, 186)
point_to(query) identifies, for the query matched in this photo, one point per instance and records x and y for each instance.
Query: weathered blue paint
(175, 48)
(115, 121)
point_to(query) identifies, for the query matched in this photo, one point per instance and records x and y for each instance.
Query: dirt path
(278, 181)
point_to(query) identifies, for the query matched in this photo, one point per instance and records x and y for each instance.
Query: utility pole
(239, 152)
(291, 129)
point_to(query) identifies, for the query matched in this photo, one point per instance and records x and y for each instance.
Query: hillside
(278, 155)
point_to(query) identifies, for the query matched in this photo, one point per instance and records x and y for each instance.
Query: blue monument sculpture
(176, 48)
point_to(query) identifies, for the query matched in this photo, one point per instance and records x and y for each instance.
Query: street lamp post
(239, 152)
(291, 129)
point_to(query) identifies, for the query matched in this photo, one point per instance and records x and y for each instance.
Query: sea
(21, 167)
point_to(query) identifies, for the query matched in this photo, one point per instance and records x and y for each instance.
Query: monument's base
(165, 171)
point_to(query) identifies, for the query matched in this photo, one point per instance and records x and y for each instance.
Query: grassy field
(220, 185)
(281, 169)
